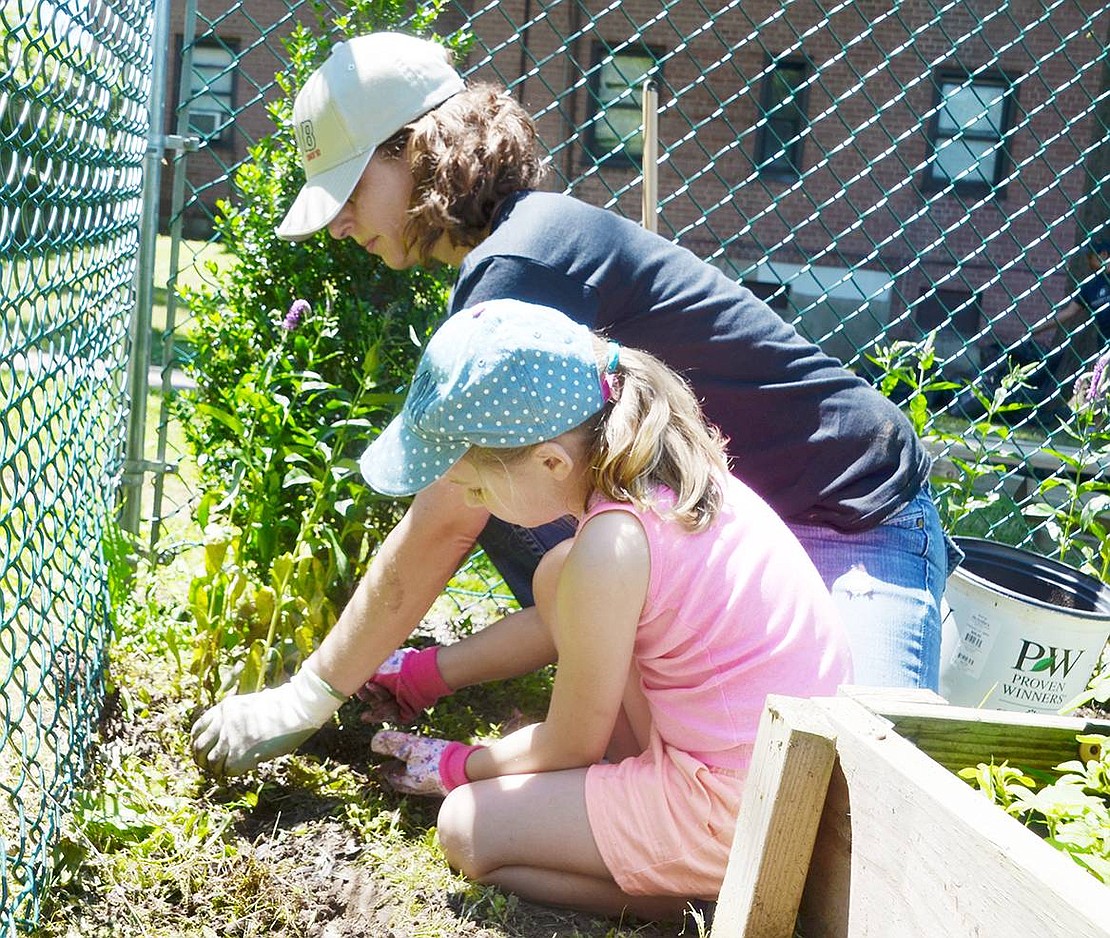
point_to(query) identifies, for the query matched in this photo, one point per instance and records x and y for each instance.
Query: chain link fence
(914, 183)
(883, 173)
(74, 84)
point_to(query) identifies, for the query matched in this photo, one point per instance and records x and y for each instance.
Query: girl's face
(376, 212)
(525, 492)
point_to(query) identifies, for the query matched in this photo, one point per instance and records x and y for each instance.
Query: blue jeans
(517, 551)
(887, 583)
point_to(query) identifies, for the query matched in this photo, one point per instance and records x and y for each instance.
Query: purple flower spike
(297, 311)
(1099, 372)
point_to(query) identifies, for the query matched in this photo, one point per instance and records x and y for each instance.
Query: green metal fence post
(138, 365)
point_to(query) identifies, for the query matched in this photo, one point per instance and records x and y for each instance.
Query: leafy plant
(1080, 523)
(1072, 813)
(909, 374)
(1001, 783)
(300, 354)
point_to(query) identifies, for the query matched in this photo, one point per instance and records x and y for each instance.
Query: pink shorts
(663, 821)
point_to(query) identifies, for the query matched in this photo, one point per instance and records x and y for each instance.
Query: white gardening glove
(242, 731)
(428, 766)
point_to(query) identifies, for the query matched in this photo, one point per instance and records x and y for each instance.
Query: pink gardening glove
(428, 766)
(407, 683)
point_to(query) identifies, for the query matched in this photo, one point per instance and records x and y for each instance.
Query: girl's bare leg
(529, 835)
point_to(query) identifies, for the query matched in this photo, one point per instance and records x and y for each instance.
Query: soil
(293, 864)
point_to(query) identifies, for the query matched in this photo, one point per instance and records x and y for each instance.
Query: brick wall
(860, 199)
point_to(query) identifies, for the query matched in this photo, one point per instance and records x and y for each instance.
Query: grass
(309, 844)
(49, 314)
(198, 264)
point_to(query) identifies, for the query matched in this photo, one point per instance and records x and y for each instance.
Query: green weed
(1072, 812)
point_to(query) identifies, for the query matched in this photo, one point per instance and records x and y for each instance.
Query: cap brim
(321, 198)
(398, 462)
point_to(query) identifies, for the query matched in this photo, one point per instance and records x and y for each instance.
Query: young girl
(679, 604)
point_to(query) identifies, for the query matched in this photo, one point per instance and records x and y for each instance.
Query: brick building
(870, 166)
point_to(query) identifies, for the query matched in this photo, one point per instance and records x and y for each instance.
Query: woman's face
(376, 212)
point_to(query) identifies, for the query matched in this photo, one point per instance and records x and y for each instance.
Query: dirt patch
(309, 845)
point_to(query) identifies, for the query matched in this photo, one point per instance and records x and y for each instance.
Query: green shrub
(301, 356)
(1079, 523)
(969, 502)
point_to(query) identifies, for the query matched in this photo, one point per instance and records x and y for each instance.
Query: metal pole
(181, 140)
(134, 469)
(650, 158)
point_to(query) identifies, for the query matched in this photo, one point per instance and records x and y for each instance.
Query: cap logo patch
(308, 141)
(421, 396)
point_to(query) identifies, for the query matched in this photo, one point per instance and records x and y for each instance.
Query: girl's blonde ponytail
(652, 433)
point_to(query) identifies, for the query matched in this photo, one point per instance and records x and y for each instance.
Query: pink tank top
(733, 613)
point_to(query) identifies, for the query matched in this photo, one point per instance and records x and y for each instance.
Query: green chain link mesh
(878, 170)
(73, 123)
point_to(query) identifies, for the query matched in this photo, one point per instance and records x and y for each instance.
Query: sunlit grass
(46, 298)
(198, 263)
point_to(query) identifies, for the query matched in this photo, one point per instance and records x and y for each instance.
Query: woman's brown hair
(467, 156)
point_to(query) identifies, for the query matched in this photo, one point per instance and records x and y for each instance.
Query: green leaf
(338, 554)
(297, 476)
(229, 420)
(304, 640)
(251, 678)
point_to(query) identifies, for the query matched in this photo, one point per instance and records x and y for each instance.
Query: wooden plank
(958, 737)
(777, 824)
(893, 699)
(926, 855)
(826, 898)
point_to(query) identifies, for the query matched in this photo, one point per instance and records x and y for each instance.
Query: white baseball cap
(368, 89)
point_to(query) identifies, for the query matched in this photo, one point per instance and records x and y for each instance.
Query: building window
(211, 92)
(968, 133)
(955, 316)
(783, 120)
(775, 295)
(615, 130)
(843, 310)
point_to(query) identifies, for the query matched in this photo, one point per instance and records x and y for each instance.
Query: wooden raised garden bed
(855, 824)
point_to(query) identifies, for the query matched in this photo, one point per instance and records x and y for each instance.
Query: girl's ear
(555, 458)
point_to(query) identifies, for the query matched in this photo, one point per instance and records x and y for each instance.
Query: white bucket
(1022, 632)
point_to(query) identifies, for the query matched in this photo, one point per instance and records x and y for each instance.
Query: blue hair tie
(614, 357)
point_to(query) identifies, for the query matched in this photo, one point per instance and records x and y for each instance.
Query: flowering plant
(297, 311)
(1078, 512)
(303, 352)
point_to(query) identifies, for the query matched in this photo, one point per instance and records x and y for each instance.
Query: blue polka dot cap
(500, 374)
